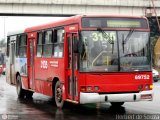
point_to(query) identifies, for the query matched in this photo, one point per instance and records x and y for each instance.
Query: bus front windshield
(112, 51)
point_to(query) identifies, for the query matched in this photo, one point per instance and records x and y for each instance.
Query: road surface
(41, 107)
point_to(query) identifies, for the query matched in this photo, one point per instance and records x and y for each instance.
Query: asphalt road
(42, 108)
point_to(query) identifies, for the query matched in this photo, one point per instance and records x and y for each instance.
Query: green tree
(154, 35)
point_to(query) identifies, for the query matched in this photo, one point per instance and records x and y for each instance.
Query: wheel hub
(59, 94)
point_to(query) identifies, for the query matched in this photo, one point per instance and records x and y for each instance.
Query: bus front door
(31, 63)
(72, 68)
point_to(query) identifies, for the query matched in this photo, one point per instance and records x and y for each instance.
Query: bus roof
(71, 20)
(65, 21)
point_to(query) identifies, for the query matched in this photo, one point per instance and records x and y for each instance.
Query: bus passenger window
(8, 45)
(48, 44)
(39, 44)
(59, 44)
(58, 50)
(22, 46)
(17, 45)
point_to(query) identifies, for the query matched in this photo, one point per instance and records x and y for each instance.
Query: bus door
(31, 63)
(72, 71)
(12, 62)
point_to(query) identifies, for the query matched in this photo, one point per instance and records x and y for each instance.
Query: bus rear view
(115, 60)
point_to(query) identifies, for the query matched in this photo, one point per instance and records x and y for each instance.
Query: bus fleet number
(44, 64)
(99, 36)
(145, 77)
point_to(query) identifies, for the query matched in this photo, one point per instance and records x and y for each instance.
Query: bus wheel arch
(55, 79)
(20, 91)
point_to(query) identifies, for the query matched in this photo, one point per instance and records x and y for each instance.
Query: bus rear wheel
(20, 91)
(117, 104)
(58, 95)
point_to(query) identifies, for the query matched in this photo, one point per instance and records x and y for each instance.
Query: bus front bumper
(122, 97)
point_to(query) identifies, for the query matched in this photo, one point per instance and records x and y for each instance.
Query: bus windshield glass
(114, 51)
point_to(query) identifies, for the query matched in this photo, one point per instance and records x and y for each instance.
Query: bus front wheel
(58, 95)
(29, 94)
(20, 91)
(117, 103)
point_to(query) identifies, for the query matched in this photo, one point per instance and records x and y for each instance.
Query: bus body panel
(117, 82)
(45, 73)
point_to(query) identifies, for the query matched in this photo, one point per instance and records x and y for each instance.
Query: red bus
(83, 59)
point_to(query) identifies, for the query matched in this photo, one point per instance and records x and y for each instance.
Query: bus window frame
(44, 44)
(39, 45)
(8, 46)
(17, 45)
(57, 43)
(21, 46)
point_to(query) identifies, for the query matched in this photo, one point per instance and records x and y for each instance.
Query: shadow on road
(47, 109)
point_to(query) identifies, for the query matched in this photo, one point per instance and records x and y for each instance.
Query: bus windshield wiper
(127, 38)
(110, 41)
(106, 36)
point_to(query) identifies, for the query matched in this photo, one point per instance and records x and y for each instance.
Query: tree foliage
(154, 35)
(154, 27)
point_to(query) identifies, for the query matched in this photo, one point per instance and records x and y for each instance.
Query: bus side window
(23, 46)
(8, 46)
(59, 44)
(17, 45)
(39, 44)
(48, 44)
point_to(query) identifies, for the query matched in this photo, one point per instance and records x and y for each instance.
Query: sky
(11, 24)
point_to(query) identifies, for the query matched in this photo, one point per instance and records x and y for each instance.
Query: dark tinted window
(8, 45)
(59, 44)
(22, 39)
(48, 44)
(39, 44)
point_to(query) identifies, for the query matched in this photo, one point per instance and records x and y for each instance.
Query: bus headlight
(96, 88)
(89, 88)
(83, 88)
(146, 87)
(140, 87)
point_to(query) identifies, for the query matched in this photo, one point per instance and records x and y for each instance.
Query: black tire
(20, 91)
(28, 94)
(155, 80)
(58, 95)
(117, 103)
